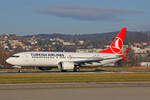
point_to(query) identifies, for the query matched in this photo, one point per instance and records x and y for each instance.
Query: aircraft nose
(9, 61)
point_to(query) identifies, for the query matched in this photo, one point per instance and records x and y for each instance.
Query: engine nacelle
(67, 65)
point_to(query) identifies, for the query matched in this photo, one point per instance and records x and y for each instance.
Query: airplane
(66, 61)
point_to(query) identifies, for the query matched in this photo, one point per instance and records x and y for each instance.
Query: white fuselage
(52, 59)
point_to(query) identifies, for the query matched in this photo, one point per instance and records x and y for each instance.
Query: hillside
(130, 37)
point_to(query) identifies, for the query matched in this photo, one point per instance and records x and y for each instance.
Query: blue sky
(73, 16)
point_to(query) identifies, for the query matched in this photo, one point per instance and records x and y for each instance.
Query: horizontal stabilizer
(125, 53)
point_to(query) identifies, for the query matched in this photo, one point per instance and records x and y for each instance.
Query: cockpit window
(15, 56)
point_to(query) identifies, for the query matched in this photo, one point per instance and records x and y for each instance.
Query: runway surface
(73, 85)
(116, 93)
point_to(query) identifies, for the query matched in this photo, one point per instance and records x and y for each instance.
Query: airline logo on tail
(117, 45)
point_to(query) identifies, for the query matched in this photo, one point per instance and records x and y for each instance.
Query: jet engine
(62, 66)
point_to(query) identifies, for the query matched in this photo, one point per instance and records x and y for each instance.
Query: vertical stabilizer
(117, 45)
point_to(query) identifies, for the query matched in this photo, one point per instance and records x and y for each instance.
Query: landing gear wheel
(76, 69)
(19, 71)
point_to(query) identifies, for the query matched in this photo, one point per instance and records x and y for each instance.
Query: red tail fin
(117, 45)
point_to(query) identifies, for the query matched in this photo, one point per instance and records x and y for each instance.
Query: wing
(88, 61)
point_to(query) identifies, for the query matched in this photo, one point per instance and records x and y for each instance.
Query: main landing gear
(19, 70)
(76, 69)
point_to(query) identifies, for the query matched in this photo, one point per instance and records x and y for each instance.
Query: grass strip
(61, 78)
